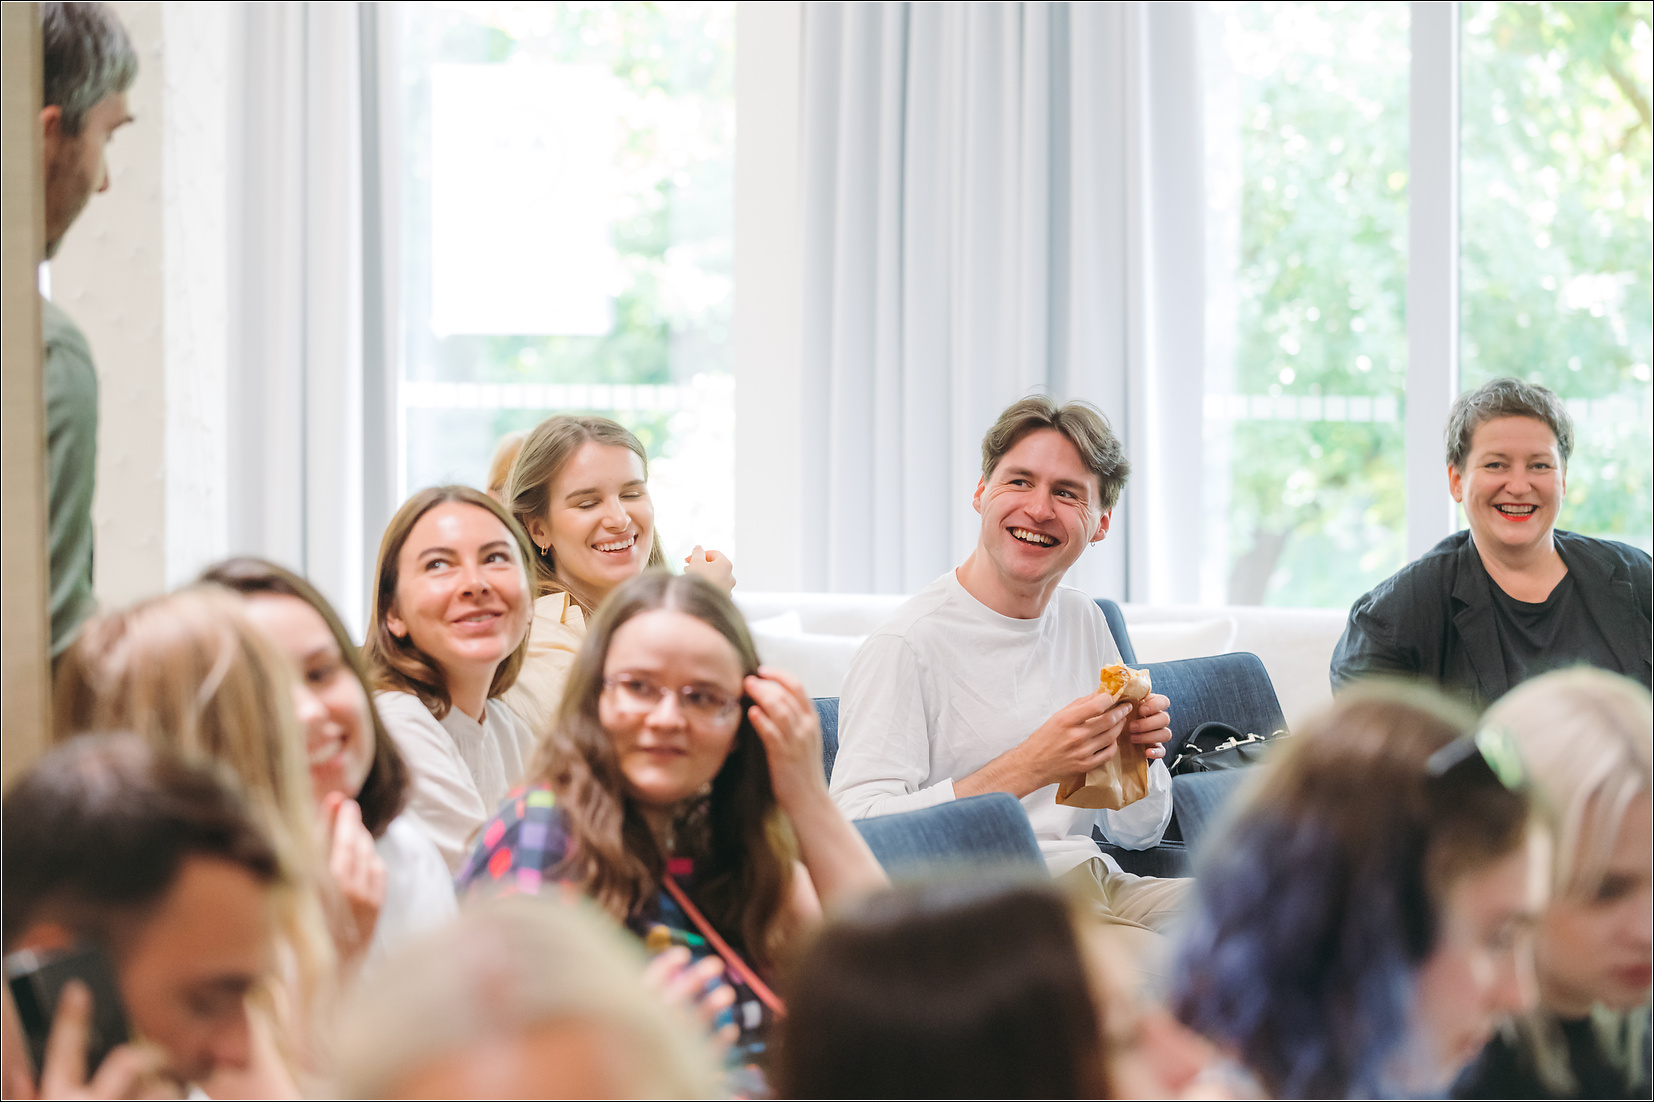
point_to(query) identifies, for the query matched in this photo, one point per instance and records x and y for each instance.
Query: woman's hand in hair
(695, 987)
(357, 872)
(836, 861)
(714, 566)
(785, 718)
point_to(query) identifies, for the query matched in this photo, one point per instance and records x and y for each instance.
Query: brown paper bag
(1124, 778)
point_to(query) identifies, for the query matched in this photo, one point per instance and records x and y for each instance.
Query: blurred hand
(697, 988)
(357, 872)
(129, 1071)
(714, 566)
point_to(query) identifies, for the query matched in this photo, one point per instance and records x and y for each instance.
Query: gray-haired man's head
(88, 64)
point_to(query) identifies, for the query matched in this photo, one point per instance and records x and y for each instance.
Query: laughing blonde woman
(580, 489)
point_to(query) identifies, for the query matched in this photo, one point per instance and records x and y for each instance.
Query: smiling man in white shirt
(986, 680)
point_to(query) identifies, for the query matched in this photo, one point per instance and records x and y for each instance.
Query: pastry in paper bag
(1124, 778)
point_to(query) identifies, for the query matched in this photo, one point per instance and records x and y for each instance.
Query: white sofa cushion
(819, 660)
(1295, 644)
(823, 613)
(814, 636)
(1172, 641)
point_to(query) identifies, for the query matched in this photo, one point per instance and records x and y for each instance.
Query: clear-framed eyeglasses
(699, 703)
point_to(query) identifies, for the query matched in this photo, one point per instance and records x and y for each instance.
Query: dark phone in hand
(36, 980)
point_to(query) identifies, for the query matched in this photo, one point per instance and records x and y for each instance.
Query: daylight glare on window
(1306, 151)
(567, 224)
(567, 236)
(1556, 241)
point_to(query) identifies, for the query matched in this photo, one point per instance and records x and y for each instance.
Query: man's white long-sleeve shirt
(947, 685)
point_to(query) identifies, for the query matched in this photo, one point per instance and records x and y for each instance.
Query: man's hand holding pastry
(1151, 727)
(1122, 778)
(1079, 737)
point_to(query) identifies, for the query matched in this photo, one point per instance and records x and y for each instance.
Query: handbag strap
(1194, 748)
(732, 959)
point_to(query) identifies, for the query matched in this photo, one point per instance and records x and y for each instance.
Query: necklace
(689, 828)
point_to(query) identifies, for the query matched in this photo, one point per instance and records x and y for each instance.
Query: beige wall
(106, 276)
(143, 272)
(25, 636)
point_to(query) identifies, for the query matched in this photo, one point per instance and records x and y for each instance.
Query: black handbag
(1215, 745)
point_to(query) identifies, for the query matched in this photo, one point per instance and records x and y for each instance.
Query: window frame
(1432, 268)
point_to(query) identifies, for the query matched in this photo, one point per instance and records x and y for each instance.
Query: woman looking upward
(450, 620)
(580, 489)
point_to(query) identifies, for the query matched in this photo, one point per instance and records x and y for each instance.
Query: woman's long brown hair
(385, 790)
(744, 877)
(397, 663)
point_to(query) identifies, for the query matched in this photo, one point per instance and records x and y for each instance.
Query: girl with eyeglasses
(682, 789)
(1367, 921)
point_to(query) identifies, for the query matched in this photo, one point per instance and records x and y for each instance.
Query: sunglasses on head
(1490, 748)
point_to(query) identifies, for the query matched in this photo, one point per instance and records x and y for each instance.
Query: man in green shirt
(88, 65)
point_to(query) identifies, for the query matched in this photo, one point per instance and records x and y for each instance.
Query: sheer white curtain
(311, 375)
(997, 197)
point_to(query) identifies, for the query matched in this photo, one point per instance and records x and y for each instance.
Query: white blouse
(461, 769)
(419, 889)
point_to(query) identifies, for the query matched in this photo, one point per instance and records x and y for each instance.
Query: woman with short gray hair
(1513, 596)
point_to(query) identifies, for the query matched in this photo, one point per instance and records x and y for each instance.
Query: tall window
(1306, 134)
(1556, 244)
(1308, 197)
(567, 239)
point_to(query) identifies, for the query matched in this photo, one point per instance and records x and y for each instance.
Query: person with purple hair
(1368, 921)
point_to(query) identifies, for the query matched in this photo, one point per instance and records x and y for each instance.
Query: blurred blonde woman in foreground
(190, 673)
(355, 769)
(519, 998)
(1586, 735)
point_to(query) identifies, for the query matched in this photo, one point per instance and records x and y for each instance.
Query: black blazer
(1435, 616)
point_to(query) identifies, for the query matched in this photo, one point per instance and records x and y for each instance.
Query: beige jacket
(559, 629)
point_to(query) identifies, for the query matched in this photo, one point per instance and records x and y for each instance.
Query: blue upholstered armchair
(1233, 688)
(979, 830)
(991, 829)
